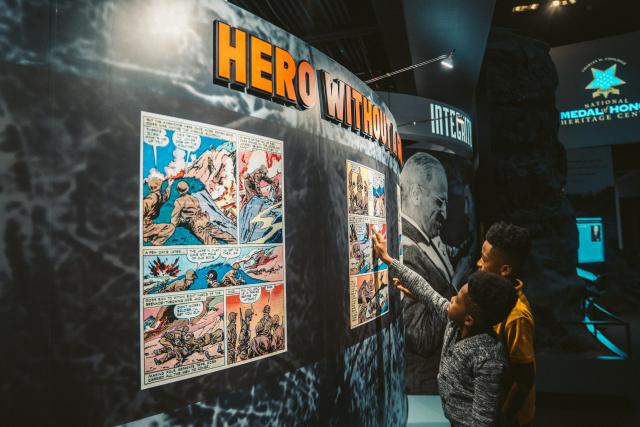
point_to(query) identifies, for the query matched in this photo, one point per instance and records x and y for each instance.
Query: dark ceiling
(355, 33)
(373, 37)
(585, 20)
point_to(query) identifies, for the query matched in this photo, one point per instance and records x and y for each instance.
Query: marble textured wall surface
(74, 77)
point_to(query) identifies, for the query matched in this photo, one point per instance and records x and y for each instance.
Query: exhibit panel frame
(368, 276)
(231, 217)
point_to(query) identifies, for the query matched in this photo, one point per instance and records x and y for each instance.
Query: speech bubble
(187, 142)
(202, 255)
(228, 253)
(249, 295)
(188, 310)
(155, 137)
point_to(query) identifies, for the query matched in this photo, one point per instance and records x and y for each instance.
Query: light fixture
(525, 7)
(558, 3)
(447, 61)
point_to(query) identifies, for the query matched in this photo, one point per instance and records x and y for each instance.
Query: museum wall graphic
(438, 242)
(188, 198)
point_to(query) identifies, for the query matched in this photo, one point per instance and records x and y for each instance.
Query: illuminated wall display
(591, 240)
(604, 83)
(598, 94)
(243, 61)
(426, 122)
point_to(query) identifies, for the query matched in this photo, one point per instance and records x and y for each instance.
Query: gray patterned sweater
(471, 369)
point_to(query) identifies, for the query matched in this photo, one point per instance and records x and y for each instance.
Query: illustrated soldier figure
(232, 277)
(261, 343)
(212, 279)
(277, 334)
(180, 284)
(253, 180)
(210, 338)
(276, 192)
(154, 233)
(361, 191)
(180, 344)
(358, 257)
(243, 344)
(171, 342)
(264, 325)
(232, 338)
(187, 212)
(365, 294)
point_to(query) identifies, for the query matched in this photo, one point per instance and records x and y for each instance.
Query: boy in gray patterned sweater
(473, 361)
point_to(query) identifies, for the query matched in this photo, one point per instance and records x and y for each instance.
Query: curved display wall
(190, 197)
(438, 217)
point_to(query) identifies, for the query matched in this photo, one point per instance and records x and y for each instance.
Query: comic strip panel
(260, 176)
(377, 207)
(255, 325)
(381, 284)
(183, 335)
(378, 227)
(369, 296)
(189, 183)
(358, 189)
(359, 246)
(188, 269)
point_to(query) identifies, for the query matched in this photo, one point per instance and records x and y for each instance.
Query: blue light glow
(619, 353)
(591, 240)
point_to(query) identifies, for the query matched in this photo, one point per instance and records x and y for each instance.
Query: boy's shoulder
(487, 349)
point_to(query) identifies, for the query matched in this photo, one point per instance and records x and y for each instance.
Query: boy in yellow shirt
(503, 252)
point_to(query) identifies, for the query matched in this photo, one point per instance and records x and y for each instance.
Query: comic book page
(368, 278)
(212, 232)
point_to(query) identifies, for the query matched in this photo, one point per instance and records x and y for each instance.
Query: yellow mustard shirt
(517, 334)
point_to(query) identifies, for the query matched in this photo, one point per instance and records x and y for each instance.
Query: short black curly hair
(512, 240)
(493, 296)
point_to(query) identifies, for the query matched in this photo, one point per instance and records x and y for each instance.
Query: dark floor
(573, 410)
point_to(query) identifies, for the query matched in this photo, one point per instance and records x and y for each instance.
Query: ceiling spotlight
(448, 61)
(526, 7)
(558, 3)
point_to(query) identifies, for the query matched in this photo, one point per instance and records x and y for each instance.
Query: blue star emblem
(604, 81)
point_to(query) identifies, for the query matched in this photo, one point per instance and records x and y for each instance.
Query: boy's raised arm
(419, 287)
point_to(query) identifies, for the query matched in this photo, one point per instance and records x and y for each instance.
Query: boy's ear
(469, 321)
(505, 270)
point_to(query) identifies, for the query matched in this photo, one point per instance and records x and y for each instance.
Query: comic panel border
(355, 283)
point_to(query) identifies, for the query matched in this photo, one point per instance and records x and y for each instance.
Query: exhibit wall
(439, 242)
(175, 238)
